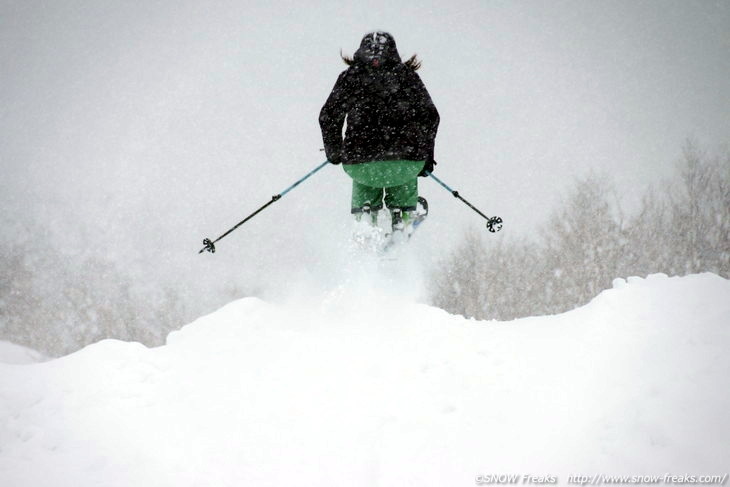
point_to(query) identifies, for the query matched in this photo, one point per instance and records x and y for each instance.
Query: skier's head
(377, 49)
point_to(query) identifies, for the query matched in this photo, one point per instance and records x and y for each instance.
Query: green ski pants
(395, 182)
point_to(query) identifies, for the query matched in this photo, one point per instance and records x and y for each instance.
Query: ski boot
(401, 224)
(366, 234)
(367, 214)
(405, 222)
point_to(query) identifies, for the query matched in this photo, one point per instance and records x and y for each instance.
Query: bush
(589, 242)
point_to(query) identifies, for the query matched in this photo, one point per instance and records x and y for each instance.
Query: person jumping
(391, 129)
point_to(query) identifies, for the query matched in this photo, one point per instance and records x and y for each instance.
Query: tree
(583, 244)
(700, 214)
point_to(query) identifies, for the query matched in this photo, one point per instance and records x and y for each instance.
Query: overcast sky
(140, 127)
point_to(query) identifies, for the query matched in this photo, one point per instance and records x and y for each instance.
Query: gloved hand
(428, 167)
(335, 158)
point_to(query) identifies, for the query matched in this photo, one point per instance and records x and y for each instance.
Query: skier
(391, 129)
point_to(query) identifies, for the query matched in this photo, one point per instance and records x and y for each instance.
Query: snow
(10, 353)
(362, 387)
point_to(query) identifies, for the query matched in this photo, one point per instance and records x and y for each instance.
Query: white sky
(137, 128)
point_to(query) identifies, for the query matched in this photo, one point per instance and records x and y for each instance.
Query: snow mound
(366, 389)
(10, 353)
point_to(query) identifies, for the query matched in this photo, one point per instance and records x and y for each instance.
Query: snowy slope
(373, 390)
(10, 353)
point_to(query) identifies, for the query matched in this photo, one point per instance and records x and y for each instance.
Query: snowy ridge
(10, 353)
(377, 390)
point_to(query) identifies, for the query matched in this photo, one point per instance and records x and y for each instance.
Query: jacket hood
(377, 49)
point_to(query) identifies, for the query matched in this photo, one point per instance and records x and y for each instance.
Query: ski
(398, 237)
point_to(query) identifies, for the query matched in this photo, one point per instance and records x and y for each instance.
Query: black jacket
(389, 114)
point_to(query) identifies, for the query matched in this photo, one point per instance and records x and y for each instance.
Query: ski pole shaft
(310, 173)
(210, 245)
(494, 223)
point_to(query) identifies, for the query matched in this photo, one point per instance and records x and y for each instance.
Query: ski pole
(494, 223)
(210, 245)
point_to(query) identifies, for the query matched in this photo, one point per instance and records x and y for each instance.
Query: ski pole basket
(494, 223)
(209, 245)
